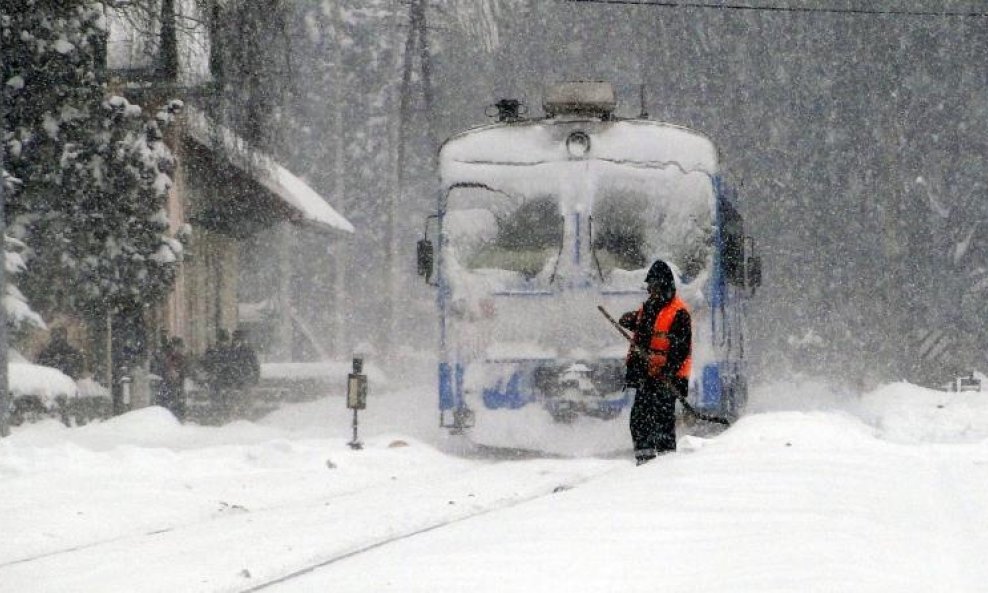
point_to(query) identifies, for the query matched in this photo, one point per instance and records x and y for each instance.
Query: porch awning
(295, 193)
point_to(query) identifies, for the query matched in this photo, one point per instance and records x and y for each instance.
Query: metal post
(356, 396)
(355, 443)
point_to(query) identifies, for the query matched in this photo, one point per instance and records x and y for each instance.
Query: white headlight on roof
(578, 144)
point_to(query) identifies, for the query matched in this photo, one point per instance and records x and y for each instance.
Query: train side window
(732, 235)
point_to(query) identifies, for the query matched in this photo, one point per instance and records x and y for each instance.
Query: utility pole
(425, 61)
(416, 37)
(402, 102)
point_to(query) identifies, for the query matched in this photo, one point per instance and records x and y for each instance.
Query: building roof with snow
(304, 202)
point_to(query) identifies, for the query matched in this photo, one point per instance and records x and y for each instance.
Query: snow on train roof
(631, 142)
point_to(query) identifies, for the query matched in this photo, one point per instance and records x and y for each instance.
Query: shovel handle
(617, 325)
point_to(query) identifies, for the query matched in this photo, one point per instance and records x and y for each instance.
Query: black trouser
(653, 418)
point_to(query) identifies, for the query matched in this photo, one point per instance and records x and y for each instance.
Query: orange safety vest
(659, 343)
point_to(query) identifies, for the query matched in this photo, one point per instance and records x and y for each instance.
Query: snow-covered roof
(262, 168)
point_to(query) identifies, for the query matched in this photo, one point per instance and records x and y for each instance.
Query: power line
(789, 9)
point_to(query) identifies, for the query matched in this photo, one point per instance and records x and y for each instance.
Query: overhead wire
(786, 9)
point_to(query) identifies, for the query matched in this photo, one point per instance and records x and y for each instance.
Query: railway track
(287, 578)
(259, 550)
(137, 535)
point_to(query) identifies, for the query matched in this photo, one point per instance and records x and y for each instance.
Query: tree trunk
(108, 371)
(4, 392)
(167, 65)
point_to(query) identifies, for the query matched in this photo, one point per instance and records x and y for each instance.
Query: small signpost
(356, 396)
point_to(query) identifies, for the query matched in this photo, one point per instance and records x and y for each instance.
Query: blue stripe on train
(447, 399)
(712, 394)
(507, 395)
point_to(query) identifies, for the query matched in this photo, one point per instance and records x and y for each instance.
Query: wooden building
(247, 219)
(255, 234)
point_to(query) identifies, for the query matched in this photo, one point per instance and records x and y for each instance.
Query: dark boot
(643, 456)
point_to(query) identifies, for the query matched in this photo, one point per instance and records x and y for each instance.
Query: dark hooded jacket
(662, 289)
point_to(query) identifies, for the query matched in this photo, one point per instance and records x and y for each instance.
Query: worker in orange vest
(658, 364)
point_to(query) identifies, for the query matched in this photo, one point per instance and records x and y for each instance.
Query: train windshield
(513, 240)
(644, 216)
(583, 222)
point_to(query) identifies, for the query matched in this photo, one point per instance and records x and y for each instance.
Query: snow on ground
(815, 489)
(534, 427)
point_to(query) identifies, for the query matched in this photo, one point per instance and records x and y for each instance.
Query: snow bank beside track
(910, 414)
(899, 412)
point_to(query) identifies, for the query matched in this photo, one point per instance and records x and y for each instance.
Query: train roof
(634, 142)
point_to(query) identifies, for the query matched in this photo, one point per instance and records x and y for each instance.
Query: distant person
(244, 367)
(61, 355)
(173, 369)
(215, 365)
(159, 351)
(658, 364)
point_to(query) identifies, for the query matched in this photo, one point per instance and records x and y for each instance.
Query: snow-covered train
(538, 222)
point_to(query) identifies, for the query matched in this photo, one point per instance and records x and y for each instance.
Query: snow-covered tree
(19, 313)
(94, 168)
